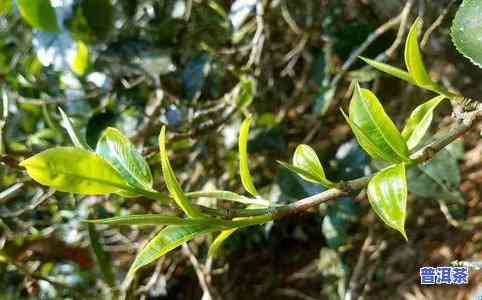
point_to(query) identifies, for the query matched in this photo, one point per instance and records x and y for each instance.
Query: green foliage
(387, 193)
(116, 149)
(216, 245)
(167, 239)
(374, 129)
(419, 121)
(153, 220)
(466, 30)
(391, 70)
(80, 62)
(171, 181)
(39, 14)
(74, 170)
(307, 164)
(102, 257)
(246, 178)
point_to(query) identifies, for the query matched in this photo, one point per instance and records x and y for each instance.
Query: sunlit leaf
(116, 149)
(80, 61)
(74, 170)
(396, 72)
(419, 122)
(216, 245)
(154, 219)
(466, 30)
(72, 132)
(5, 6)
(246, 178)
(39, 14)
(171, 182)
(414, 60)
(305, 158)
(387, 193)
(227, 195)
(166, 240)
(374, 129)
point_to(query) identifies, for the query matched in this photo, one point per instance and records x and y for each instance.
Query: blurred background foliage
(199, 67)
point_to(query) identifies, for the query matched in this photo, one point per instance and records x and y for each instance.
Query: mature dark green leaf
(374, 129)
(74, 170)
(171, 182)
(419, 122)
(39, 14)
(116, 149)
(166, 240)
(387, 193)
(466, 30)
(99, 15)
(396, 72)
(246, 179)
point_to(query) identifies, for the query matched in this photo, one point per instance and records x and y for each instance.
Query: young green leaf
(227, 195)
(243, 158)
(306, 159)
(414, 61)
(374, 129)
(74, 170)
(80, 61)
(166, 240)
(419, 122)
(156, 219)
(171, 182)
(39, 14)
(387, 194)
(116, 149)
(72, 132)
(103, 258)
(216, 245)
(396, 72)
(466, 31)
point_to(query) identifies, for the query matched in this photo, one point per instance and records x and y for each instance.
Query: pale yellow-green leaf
(246, 178)
(80, 61)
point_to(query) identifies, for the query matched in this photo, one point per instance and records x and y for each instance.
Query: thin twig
(436, 24)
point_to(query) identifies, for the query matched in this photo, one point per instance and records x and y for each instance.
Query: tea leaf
(387, 193)
(414, 60)
(419, 122)
(166, 240)
(216, 245)
(171, 181)
(81, 59)
(243, 158)
(227, 195)
(103, 258)
(396, 72)
(116, 149)
(72, 132)
(374, 129)
(39, 14)
(74, 170)
(155, 219)
(466, 31)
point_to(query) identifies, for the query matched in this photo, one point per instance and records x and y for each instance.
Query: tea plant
(115, 165)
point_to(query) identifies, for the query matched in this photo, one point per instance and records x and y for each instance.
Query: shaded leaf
(39, 14)
(396, 72)
(387, 193)
(171, 181)
(103, 258)
(247, 86)
(374, 129)
(74, 170)
(419, 122)
(116, 149)
(246, 178)
(166, 240)
(466, 30)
